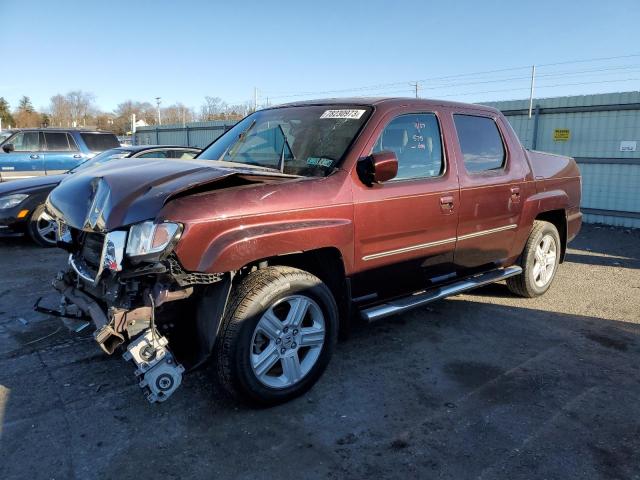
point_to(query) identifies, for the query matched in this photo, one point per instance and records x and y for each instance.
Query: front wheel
(540, 260)
(277, 336)
(42, 228)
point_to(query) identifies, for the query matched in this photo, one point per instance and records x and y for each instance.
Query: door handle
(77, 156)
(446, 203)
(515, 194)
(35, 156)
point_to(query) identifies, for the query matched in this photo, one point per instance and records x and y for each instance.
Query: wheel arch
(328, 265)
(558, 218)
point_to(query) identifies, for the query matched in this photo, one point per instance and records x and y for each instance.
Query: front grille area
(92, 248)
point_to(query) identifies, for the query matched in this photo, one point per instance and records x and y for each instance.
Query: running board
(418, 299)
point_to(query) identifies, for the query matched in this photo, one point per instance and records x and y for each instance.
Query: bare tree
(177, 113)
(80, 103)
(59, 111)
(213, 109)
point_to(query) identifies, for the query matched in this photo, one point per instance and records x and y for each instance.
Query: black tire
(34, 231)
(525, 284)
(250, 299)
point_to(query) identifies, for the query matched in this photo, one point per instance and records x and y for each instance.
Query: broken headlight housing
(150, 241)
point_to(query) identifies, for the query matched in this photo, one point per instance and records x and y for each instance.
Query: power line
(448, 77)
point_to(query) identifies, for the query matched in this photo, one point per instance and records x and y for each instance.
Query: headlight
(148, 237)
(12, 200)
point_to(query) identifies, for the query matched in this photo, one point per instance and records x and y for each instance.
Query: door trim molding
(420, 246)
(398, 251)
(487, 232)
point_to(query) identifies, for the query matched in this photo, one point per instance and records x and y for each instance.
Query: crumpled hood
(122, 193)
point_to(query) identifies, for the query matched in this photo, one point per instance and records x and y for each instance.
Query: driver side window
(415, 139)
(26, 142)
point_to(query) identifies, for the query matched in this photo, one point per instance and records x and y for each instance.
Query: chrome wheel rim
(545, 261)
(287, 341)
(46, 227)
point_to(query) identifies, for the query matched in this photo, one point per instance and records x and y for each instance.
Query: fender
(241, 246)
(535, 205)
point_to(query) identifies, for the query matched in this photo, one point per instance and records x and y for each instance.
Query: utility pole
(533, 83)
(255, 99)
(158, 107)
(133, 129)
(416, 84)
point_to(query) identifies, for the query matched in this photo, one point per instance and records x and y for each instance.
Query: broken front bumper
(158, 372)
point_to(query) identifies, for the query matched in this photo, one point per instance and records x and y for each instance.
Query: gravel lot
(478, 386)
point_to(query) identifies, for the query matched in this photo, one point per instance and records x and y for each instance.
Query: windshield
(4, 135)
(101, 158)
(306, 140)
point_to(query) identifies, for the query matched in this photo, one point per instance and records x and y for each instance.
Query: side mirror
(378, 167)
(8, 148)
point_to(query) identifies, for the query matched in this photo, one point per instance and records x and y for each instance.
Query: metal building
(602, 132)
(194, 134)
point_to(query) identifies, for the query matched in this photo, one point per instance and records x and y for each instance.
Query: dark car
(22, 201)
(32, 152)
(297, 218)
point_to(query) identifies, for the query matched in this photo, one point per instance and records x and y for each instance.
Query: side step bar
(418, 299)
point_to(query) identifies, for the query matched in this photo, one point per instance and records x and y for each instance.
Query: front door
(491, 185)
(405, 229)
(26, 159)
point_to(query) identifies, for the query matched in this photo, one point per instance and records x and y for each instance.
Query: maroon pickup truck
(300, 218)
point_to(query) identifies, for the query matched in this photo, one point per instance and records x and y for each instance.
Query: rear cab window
(98, 142)
(480, 142)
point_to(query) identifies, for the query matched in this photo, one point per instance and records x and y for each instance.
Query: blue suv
(48, 151)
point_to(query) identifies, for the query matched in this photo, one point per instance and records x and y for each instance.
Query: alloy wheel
(545, 261)
(287, 341)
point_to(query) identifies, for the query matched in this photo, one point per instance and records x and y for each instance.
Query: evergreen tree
(5, 114)
(25, 105)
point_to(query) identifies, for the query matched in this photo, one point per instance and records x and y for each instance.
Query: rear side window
(415, 139)
(57, 142)
(480, 142)
(98, 142)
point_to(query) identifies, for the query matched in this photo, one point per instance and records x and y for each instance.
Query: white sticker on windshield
(350, 114)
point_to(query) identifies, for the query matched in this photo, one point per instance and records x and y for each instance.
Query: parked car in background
(298, 217)
(32, 152)
(22, 201)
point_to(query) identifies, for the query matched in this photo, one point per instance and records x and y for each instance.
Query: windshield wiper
(285, 144)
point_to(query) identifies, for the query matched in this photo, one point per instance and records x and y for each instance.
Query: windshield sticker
(323, 162)
(349, 114)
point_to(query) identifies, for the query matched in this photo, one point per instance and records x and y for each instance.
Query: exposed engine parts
(160, 375)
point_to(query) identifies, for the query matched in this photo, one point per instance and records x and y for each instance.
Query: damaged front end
(120, 280)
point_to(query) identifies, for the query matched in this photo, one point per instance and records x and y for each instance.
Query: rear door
(27, 158)
(61, 152)
(492, 178)
(405, 229)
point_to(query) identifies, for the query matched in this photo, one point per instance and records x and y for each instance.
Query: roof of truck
(388, 102)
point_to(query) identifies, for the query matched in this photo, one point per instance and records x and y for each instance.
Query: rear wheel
(42, 228)
(540, 260)
(278, 335)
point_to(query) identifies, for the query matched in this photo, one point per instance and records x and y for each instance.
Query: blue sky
(183, 51)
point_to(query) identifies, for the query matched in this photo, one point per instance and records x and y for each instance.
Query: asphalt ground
(483, 385)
